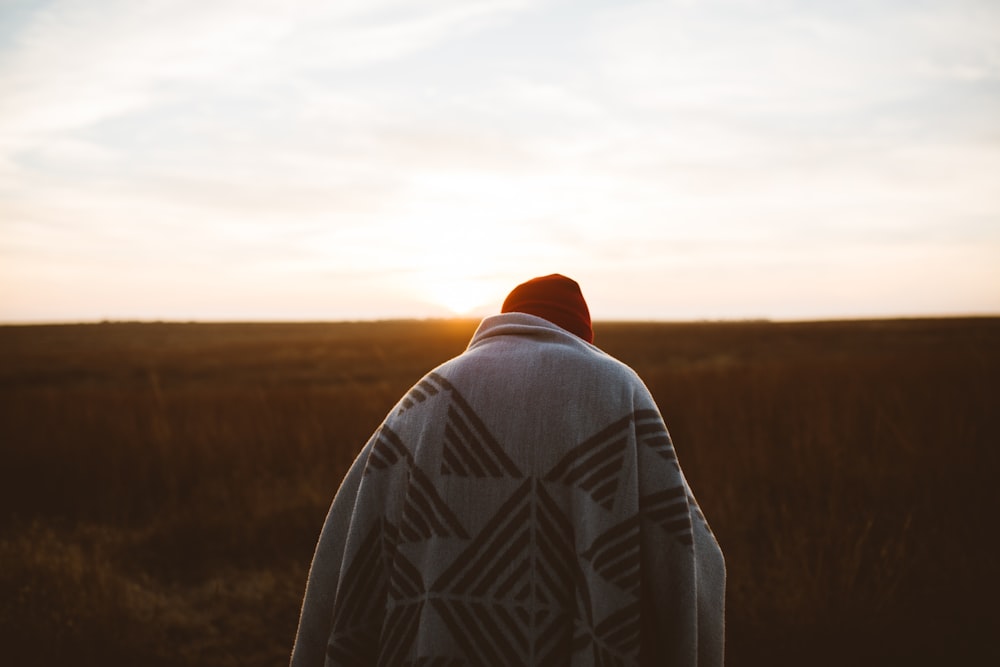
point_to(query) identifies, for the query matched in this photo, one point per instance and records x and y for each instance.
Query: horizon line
(477, 318)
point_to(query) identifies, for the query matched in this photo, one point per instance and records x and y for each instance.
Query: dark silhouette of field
(163, 484)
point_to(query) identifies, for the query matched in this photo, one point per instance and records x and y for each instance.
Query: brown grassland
(163, 484)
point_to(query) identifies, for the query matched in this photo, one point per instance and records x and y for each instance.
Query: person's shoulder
(620, 369)
(612, 364)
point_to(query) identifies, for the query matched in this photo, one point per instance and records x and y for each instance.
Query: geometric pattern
(405, 580)
(387, 451)
(510, 597)
(470, 450)
(616, 640)
(405, 603)
(425, 513)
(615, 555)
(651, 432)
(596, 464)
(398, 632)
(516, 593)
(359, 605)
(670, 510)
(402, 616)
(427, 387)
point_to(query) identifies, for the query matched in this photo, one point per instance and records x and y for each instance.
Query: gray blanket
(521, 505)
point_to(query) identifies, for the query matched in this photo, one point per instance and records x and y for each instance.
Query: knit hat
(555, 298)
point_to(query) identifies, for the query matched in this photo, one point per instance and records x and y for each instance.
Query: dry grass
(163, 485)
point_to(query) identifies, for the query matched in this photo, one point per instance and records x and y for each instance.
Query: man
(521, 505)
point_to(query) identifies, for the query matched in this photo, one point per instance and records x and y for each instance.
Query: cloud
(662, 140)
(197, 103)
(77, 62)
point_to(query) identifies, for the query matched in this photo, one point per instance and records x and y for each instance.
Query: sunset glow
(315, 160)
(461, 295)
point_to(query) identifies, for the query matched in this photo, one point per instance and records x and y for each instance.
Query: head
(555, 298)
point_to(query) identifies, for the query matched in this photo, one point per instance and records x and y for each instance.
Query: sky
(365, 159)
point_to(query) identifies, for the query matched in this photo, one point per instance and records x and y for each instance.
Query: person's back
(521, 505)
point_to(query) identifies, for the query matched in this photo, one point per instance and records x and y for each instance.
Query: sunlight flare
(459, 295)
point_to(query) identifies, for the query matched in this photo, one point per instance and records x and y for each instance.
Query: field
(162, 485)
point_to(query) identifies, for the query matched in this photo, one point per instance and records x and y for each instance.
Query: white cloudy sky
(309, 159)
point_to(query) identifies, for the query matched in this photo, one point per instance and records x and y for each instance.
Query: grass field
(163, 484)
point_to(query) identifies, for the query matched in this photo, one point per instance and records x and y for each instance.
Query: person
(522, 504)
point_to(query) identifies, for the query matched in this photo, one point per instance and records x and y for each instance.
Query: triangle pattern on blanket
(670, 510)
(652, 432)
(615, 555)
(398, 634)
(404, 603)
(615, 640)
(511, 597)
(406, 583)
(595, 465)
(386, 451)
(359, 604)
(366, 602)
(470, 450)
(425, 513)
(430, 386)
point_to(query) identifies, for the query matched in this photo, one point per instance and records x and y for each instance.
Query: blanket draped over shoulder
(521, 505)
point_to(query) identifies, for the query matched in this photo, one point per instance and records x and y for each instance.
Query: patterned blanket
(521, 505)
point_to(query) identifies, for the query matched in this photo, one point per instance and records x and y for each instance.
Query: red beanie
(555, 298)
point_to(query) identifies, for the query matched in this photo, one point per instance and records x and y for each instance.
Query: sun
(460, 295)
(439, 257)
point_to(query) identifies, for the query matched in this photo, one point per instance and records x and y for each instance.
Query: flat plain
(162, 485)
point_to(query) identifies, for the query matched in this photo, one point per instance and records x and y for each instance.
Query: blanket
(522, 504)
